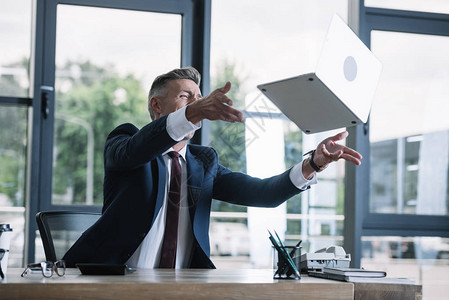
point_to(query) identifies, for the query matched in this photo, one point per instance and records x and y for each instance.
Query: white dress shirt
(148, 254)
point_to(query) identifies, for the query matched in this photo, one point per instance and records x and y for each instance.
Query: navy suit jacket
(134, 187)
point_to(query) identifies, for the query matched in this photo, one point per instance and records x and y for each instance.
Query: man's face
(178, 93)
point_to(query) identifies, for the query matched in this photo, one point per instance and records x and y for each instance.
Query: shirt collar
(181, 152)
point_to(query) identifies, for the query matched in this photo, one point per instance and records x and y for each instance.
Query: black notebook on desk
(104, 269)
(348, 274)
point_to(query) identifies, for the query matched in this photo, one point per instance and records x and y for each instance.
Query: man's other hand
(329, 151)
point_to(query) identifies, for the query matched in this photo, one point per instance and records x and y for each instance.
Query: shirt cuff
(298, 179)
(178, 126)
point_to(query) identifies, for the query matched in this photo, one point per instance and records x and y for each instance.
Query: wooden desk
(194, 284)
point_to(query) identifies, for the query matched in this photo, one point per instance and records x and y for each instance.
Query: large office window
(15, 45)
(15, 42)
(106, 60)
(410, 153)
(253, 43)
(409, 126)
(406, 228)
(13, 153)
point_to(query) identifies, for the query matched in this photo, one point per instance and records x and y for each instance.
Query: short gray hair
(161, 81)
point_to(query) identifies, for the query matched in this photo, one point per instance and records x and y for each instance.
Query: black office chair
(59, 230)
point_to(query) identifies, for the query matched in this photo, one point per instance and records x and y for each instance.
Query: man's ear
(155, 104)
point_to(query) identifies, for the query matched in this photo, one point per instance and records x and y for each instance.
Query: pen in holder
(281, 265)
(286, 266)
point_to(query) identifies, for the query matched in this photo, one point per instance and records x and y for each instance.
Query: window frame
(359, 221)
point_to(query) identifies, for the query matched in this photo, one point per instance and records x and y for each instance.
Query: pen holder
(282, 268)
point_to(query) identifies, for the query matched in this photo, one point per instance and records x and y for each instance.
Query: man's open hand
(215, 106)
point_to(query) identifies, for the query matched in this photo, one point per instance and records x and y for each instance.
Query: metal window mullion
(18, 101)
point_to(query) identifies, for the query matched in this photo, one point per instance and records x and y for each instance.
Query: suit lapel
(161, 185)
(195, 173)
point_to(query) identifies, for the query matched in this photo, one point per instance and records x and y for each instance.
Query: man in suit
(140, 217)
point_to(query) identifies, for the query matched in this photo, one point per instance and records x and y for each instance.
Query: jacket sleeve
(126, 147)
(242, 189)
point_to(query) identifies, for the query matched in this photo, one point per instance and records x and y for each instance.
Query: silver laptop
(339, 93)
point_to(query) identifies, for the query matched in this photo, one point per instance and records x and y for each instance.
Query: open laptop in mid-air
(339, 93)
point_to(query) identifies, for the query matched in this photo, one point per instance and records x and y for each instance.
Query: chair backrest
(59, 230)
